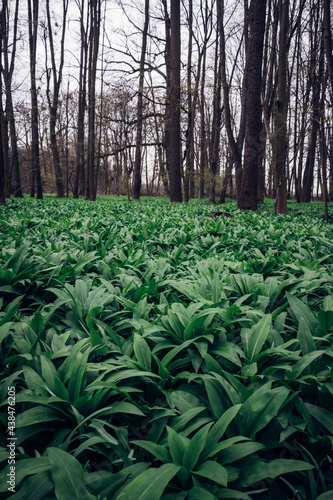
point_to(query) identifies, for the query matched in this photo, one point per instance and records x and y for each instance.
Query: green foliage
(157, 353)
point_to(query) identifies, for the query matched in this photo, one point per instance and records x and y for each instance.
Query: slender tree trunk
(167, 123)
(316, 88)
(249, 190)
(328, 39)
(281, 112)
(95, 22)
(79, 182)
(2, 158)
(235, 145)
(217, 111)
(8, 70)
(54, 100)
(36, 180)
(137, 161)
(174, 102)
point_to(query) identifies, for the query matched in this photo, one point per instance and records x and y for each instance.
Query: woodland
(166, 256)
(187, 99)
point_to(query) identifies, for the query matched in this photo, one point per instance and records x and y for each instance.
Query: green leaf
(67, 475)
(177, 445)
(233, 453)
(305, 338)
(36, 415)
(228, 493)
(213, 471)
(37, 487)
(142, 351)
(258, 336)
(23, 468)
(195, 447)
(159, 451)
(260, 470)
(219, 428)
(260, 408)
(49, 373)
(302, 311)
(323, 416)
(197, 493)
(304, 362)
(150, 484)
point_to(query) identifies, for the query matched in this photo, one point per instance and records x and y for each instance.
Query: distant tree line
(195, 98)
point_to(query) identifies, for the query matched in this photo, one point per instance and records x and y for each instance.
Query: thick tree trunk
(174, 103)
(36, 180)
(95, 18)
(281, 112)
(249, 190)
(8, 69)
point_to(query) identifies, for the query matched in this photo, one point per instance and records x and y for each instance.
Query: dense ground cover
(156, 352)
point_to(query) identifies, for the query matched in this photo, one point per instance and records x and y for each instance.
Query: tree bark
(328, 39)
(174, 103)
(54, 100)
(95, 22)
(281, 112)
(8, 74)
(79, 182)
(36, 181)
(248, 198)
(137, 161)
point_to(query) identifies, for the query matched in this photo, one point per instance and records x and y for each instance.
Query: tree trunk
(316, 87)
(79, 182)
(54, 101)
(174, 103)
(36, 181)
(8, 69)
(95, 22)
(281, 112)
(2, 159)
(328, 39)
(137, 161)
(248, 199)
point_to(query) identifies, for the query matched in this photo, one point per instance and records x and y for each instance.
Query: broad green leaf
(159, 451)
(150, 484)
(4, 329)
(49, 373)
(216, 398)
(177, 445)
(213, 471)
(142, 352)
(258, 336)
(305, 338)
(302, 311)
(23, 468)
(229, 493)
(238, 451)
(198, 493)
(67, 476)
(260, 409)
(304, 362)
(219, 428)
(37, 487)
(323, 416)
(36, 415)
(195, 447)
(260, 470)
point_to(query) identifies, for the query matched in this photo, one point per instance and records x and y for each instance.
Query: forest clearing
(151, 351)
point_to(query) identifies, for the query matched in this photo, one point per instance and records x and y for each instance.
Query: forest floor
(151, 351)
